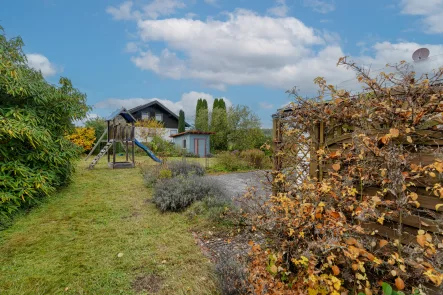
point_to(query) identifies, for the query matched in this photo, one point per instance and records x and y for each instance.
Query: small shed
(194, 141)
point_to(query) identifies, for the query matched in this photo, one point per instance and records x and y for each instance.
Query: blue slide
(147, 150)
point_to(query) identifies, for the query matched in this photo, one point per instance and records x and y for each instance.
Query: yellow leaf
(413, 196)
(273, 268)
(438, 206)
(409, 139)
(432, 174)
(336, 166)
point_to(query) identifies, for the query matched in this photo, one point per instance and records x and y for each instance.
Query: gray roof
(156, 102)
(124, 113)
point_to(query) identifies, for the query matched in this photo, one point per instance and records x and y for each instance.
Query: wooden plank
(387, 232)
(421, 223)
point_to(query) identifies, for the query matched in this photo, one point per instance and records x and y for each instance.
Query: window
(173, 131)
(159, 117)
(184, 143)
(145, 116)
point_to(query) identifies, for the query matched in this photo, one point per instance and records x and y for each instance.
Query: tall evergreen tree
(197, 114)
(219, 125)
(202, 115)
(181, 121)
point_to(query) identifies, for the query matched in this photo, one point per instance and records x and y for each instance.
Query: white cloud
(41, 63)
(123, 12)
(153, 10)
(131, 47)
(265, 105)
(187, 103)
(280, 10)
(431, 10)
(81, 123)
(322, 6)
(251, 49)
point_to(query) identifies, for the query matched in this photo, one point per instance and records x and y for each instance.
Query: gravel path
(236, 184)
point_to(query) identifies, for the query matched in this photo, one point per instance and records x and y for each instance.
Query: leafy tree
(98, 124)
(35, 117)
(243, 128)
(150, 128)
(181, 121)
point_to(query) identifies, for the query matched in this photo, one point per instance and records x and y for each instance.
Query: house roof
(122, 112)
(156, 102)
(193, 132)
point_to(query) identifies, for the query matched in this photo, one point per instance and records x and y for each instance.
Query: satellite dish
(420, 54)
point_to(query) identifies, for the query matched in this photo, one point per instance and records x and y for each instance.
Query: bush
(184, 168)
(232, 275)
(175, 194)
(35, 117)
(151, 174)
(83, 137)
(163, 147)
(165, 173)
(230, 161)
(256, 159)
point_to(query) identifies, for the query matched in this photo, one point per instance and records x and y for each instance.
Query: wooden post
(114, 145)
(276, 142)
(127, 133)
(109, 136)
(313, 161)
(133, 142)
(321, 146)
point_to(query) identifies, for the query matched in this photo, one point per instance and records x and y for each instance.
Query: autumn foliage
(325, 231)
(83, 137)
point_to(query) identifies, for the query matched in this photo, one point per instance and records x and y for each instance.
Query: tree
(243, 128)
(219, 125)
(150, 128)
(98, 124)
(202, 115)
(181, 121)
(35, 118)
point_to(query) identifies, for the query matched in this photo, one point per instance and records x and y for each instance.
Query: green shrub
(35, 119)
(165, 173)
(230, 161)
(163, 148)
(256, 159)
(151, 174)
(175, 194)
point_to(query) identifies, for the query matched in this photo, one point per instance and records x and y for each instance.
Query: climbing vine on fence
(327, 231)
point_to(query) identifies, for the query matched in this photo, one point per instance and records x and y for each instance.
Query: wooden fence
(305, 162)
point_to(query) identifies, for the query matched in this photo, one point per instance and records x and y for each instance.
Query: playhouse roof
(193, 132)
(124, 113)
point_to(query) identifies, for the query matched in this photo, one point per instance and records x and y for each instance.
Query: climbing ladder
(101, 154)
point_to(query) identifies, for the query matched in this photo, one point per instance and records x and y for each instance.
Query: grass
(71, 243)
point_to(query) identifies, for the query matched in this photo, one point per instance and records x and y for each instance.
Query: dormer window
(159, 117)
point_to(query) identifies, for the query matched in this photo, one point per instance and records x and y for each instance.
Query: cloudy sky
(126, 53)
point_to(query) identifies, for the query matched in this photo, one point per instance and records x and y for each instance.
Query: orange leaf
(383, 243)
(399, 283)
(335, 270)
(421, 240)
(394, 132)
(335, 214)
(336, 166)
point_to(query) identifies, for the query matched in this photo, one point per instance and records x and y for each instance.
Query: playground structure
(120, 129)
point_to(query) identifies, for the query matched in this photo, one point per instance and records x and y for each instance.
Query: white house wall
(166, 133)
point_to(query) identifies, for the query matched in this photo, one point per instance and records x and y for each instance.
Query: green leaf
(387, 289)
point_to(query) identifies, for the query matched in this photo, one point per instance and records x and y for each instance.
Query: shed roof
(193, 132)
(122, 112)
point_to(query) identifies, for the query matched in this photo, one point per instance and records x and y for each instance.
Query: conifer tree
(181, 121)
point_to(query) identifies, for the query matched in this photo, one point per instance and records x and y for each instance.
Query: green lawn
(71, 243)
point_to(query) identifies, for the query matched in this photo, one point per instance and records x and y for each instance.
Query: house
(194, 141)
(157, 110)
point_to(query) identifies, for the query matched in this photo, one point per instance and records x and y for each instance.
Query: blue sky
(126, 53)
